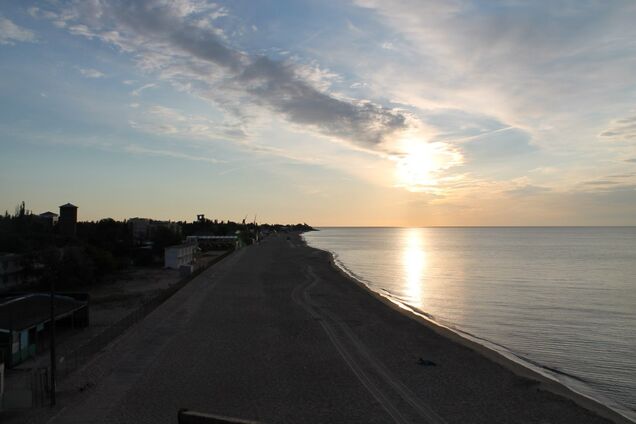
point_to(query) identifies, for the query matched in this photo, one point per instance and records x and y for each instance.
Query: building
(140, 229)
(143, 228)
(50, 218)
(181, 254)
(68, 220)
(16, 271)
(25, 321)
(11, 270)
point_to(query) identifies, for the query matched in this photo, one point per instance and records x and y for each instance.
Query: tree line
(103, 247)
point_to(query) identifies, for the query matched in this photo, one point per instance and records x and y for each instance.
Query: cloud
(136, 149)
(528, 190)
(136, 92)
(621, 130)
(91, 73)
(601, 183)
(162, 120)
(497, 146)
(538, 66)
(169, 39)
(275, 85)
(11, 33)
(455, 125)
(495, 87)
(615, 182)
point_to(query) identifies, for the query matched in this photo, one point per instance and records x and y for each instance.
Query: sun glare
(419, 169)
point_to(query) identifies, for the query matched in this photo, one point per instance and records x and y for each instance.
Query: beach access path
(274, 333)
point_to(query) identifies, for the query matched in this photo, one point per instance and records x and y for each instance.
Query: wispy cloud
(621, 130)
(612, 182)
(91, 73)
(170, 40)
(136, 92)
(167, 121)
(466, 81)
(528, 190)
(10, 33)
(537, 66)
(140, 150)
(159, 119)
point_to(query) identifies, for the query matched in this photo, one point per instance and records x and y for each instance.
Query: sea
(560, 300)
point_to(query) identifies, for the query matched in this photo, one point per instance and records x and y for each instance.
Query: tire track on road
(301, 297)
(330, 323)
(411, 398)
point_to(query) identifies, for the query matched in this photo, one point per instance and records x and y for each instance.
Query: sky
(363, 112)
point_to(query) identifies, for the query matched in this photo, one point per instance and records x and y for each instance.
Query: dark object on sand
(426, 362)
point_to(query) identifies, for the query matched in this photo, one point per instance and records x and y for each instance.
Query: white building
(181, 254)
(50, 218)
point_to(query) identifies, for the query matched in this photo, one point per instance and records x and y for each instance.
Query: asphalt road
(273, 333)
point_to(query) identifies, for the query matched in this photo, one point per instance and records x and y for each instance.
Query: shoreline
(511, 362)
(277, 333)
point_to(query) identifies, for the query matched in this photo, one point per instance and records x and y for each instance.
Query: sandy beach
(276, 333)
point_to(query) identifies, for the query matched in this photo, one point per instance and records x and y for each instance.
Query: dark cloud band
(181, 38)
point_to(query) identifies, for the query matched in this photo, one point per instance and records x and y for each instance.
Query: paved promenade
(273, 333)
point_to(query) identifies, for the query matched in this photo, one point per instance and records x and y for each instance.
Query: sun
(420, 167)
(417, 166)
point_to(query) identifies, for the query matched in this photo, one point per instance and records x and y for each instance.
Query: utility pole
(52, 349)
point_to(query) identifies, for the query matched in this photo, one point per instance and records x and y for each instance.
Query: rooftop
(25, 311)
(48, 214)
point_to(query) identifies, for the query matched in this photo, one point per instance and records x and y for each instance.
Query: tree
(163, 237)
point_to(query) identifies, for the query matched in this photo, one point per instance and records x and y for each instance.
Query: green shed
(25, 321)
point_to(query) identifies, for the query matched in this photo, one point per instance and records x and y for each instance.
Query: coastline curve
(552, 380)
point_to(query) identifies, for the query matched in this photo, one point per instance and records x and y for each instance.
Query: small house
(25, 321)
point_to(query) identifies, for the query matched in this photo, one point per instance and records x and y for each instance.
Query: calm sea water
(563, 299)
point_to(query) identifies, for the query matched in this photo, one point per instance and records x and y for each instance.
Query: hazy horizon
(367, 113)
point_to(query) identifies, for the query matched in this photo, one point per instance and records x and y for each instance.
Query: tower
(68, 219)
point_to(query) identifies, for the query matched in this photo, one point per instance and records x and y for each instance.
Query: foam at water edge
(572, 382)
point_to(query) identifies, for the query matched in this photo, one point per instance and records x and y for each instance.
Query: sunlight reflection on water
(562, 297)
(414, 263)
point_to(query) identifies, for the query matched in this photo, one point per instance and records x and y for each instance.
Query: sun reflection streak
(414, 265)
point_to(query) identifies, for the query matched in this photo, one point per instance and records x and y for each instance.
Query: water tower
(68, 219)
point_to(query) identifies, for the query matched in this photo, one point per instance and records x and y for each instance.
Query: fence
(70, 361)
